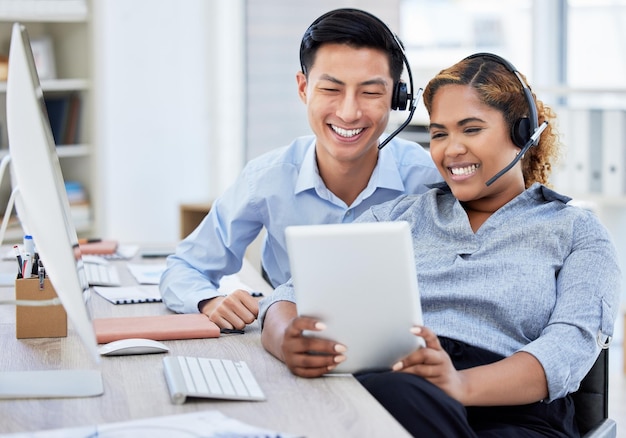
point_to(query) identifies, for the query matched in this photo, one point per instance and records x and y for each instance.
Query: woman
(518, 288)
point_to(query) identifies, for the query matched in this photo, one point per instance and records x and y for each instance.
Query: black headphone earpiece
(401, 97)
(521, 132)
(525, 127)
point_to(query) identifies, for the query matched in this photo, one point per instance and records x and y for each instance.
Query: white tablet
(360, 280)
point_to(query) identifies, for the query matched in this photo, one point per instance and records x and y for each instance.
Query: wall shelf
(68, 24)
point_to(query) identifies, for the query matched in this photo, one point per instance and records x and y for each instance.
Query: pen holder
(38, 321)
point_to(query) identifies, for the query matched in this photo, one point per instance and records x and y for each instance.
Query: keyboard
(99, 274)
(209, 378)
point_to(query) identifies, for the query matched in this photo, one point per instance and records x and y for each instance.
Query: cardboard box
(38, 321)
(191, 215)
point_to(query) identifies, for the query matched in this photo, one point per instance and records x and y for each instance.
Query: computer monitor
(43, 210)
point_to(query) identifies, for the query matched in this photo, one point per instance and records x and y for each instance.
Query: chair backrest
(592, 398)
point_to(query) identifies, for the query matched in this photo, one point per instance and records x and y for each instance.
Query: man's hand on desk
(233, 311)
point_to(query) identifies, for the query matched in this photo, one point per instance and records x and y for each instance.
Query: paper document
(130, 294)
(151, 274)
(146, 273)
(230, 283)
(201, 424)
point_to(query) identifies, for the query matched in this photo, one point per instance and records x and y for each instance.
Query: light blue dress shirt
(280, 188)
(538, 276)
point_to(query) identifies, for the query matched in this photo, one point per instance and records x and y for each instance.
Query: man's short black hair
(355, 28)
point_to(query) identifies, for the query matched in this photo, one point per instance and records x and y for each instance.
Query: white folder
(614, 152)
(562, 173)
(579, 150)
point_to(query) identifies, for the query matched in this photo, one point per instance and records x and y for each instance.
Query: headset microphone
(406, 122)
(400, 96)
(529, 143)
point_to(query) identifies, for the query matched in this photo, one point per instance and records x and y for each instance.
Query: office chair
(592, 401)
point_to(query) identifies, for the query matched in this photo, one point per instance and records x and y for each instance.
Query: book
(57, 108)
(157, 327)
(75, 192)
(81, 213)
(129, 294)
(97, 246)
(72, 125)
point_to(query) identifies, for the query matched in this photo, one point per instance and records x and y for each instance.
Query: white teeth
(464, 170)
(346, 132)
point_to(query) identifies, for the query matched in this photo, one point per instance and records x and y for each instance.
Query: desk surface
(134, 386)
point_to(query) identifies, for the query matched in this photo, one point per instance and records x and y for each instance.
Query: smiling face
(470, 143)
(348, 97)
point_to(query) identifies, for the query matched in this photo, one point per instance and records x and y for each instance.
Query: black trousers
(426, 411)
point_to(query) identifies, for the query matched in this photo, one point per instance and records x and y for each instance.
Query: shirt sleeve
(588, 288)
(214, 249)
(284, 292)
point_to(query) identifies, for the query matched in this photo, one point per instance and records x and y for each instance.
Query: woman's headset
(525, 131)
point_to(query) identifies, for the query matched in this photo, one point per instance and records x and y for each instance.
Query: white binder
(614, 152)
(580, 144)
(562, 173)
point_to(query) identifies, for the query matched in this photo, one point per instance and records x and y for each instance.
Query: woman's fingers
(307, 355)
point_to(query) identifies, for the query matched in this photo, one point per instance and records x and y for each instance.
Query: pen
(29, 244)
(26, 266)
(226, 331)
(19, 260)
(35, 264)
(84, 241)
(41, 273)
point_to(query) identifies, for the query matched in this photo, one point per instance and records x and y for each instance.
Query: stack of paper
(205, 424)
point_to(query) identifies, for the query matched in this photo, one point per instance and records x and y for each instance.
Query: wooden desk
(134, 386)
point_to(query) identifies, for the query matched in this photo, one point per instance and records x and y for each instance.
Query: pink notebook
(98, 247)
(158, 327)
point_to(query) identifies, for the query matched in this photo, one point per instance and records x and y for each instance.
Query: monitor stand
(50, 384)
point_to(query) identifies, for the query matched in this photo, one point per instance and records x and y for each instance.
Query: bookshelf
(64, 26)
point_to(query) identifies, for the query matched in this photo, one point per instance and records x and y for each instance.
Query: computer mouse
(125, 347)
(95, 259)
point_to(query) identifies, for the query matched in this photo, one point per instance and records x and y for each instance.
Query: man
(351, 68)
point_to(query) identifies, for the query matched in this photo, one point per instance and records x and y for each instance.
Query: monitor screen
(41, 201)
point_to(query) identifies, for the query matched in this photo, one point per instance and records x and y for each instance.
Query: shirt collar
(536, 190)
(386, 174)
(309, 176)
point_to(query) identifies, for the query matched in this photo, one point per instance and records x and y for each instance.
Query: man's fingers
(232, 312)
(246, 300)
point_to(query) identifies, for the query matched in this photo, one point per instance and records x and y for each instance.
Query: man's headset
(525, 131)
(402, 96)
